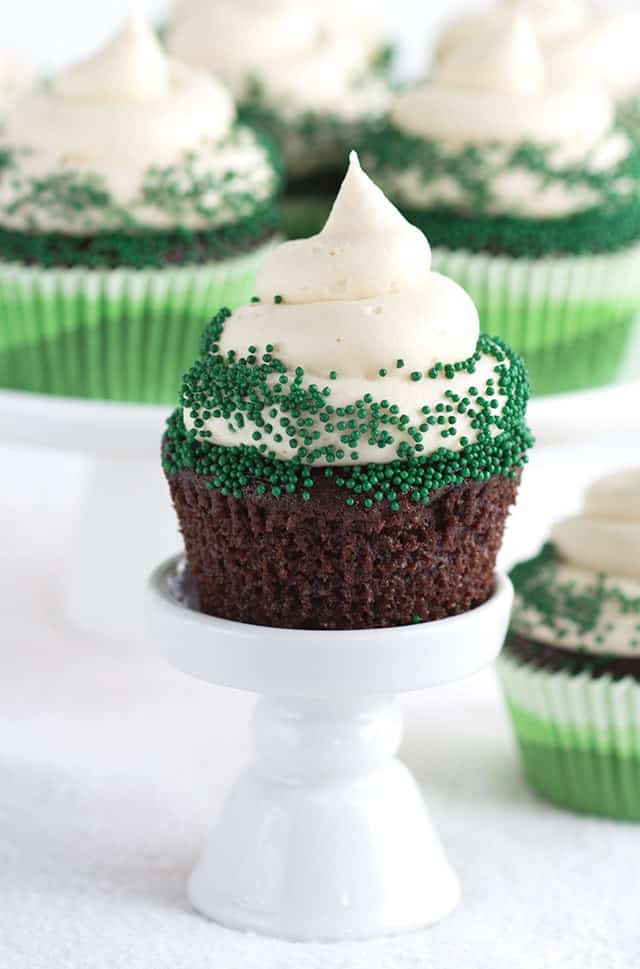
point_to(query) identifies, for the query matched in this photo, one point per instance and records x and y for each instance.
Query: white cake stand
(325, 836)
(124, 522)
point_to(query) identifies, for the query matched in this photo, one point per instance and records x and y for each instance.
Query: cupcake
(530, 197)
(606, 47)
(306, 74)
(553, 21)
(131, 203)
(571, 667)
(16, 77)
(348, 445)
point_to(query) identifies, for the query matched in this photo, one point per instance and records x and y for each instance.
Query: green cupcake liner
(579, 737)
(124, 334)
(570, 317)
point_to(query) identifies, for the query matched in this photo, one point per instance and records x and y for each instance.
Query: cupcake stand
(125, 511)
(325, 836)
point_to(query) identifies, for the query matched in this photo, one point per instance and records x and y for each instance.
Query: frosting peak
(509, 62)
(605, 537)
(131, 67)
(366, 249)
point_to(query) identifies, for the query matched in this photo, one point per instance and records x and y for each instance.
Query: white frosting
(16, 76)
(357, 297)
(601, 544)
(290, 47)
(118, 113)
(500, 91)
(606, 536)
(497, 93)
(606, 48)
(553, 20)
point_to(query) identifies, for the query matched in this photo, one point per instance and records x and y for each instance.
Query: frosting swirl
(112, 119)
(606, 536)
(605, 48)
(553, 20)
(591, 583)
(357, 307)
(500, 91)
(290, 49)
(498, 95)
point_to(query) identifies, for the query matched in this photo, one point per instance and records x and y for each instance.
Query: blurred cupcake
(307, 74)
(131, 204)
(531, 197)
(553, 20)
(606, 47)
(571, 667)
(16, 77)
(348, 446)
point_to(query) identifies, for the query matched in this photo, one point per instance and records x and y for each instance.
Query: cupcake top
(604, 47)
(289, 53)
(553, 20)
(354, 354)
(129, 140)
(16, 76)
(582, 593)
(496, 132)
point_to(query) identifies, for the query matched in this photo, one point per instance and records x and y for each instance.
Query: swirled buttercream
(500, 91)
(289, 49)
(357, 310)
(605, 48)
(553, 20)
(590, 598)
(124, 112)
(499, 96)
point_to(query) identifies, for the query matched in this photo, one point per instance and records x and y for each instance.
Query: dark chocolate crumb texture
(303, 506)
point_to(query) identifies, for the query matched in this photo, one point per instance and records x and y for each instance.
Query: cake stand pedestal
(325, 836)
(124, 522)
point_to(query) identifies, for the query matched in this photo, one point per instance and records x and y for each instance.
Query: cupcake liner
(579, 737)
(571, 317)
(122, 334)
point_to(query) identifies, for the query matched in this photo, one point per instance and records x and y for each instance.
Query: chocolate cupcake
(131, 202)
(311, 76)
(348, 445)
(571, 667)
(531, 197)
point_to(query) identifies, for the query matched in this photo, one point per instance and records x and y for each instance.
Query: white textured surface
(103, 811)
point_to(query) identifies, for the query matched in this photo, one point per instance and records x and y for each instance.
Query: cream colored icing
(553, 20)
(119, 113)
(601, 544)
(498, 93)
(291, 48)
(605, 537)
(355, 298)
(606, 48)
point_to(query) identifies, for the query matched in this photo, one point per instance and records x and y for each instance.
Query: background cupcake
(348, 445)
(307, 74)
(553, 21)
(571, 668)
(131, 204)
(531, 197)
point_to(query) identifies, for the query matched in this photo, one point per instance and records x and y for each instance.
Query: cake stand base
(325, 837)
